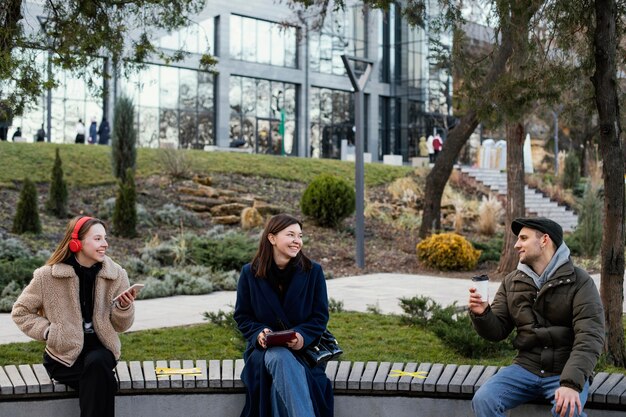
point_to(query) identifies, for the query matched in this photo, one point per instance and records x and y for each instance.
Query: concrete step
(536, 203)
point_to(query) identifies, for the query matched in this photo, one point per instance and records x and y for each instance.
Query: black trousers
(91, 375)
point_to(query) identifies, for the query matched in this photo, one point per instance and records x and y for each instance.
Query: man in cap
(557, 312)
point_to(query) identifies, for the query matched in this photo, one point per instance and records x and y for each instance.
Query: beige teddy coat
(49, 309)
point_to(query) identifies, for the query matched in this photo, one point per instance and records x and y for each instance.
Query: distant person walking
(104, 132)
(80, 132)
(17, 134)
(423, 147)
(437, 146)
(93, 132)
(431, 149)
(41, 135)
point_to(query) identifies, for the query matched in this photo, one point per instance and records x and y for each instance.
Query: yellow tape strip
(177, 371)
(417, 374)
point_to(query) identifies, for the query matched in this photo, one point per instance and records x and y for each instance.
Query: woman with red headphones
(69, 304)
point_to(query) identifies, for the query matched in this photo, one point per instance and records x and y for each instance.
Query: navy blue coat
(305, 309)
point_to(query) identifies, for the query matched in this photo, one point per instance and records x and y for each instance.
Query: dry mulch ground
(386, 249)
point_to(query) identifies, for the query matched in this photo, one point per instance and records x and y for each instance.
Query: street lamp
(359, 117)
(43, 21)
(555, 114)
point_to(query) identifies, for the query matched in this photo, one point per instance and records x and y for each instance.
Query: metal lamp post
(42, 22)
(358, 83)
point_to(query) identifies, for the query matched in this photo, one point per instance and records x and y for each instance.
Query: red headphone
(75, 245)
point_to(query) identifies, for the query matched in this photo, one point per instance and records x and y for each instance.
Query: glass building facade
(279, 87)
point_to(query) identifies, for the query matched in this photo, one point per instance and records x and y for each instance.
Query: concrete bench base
(362, 389)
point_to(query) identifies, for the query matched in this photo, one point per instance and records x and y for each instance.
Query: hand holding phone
(135, 288)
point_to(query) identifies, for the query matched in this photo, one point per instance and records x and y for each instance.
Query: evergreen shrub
(587, 238)
(27, 215)
(453, 327)
(57, 197)
(125, 212)
(226, 253)
(447, 252)
(124, 138)
(328, 200)
(12, 248)
(571, 171)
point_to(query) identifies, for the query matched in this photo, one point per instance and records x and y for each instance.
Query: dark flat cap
(547, 226)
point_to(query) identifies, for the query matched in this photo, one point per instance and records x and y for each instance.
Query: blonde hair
(62, 252)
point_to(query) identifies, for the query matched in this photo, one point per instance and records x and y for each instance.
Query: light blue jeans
(290, 392)
(513, 386)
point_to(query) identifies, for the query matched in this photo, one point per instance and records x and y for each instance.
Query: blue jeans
(290, 391)
(513, 386)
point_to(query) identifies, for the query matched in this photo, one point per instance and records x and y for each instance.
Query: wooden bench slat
(598, 379)
(614, 396)
(215, 373)
(433, 376)
(202, 381)
(367, 379)
(176, 381)
(149, 375)
(136, 375)
(331, 371)
(381, 376)
(239, 365)
(445, 378)
(45, 383)
(228, 372)
(488, 373)
(467, 387)
(163, 381)
(32, 385)
(343, 372)
(19, 386)
(600, 394)
(123, 376)
(417, 384)
(189, 381)
(6, 388)
(391, 384)
(405, 381)
(354, 380)
(459, 377)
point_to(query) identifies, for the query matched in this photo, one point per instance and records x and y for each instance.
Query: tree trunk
(612, 252)
(438, 176)
(515, 197)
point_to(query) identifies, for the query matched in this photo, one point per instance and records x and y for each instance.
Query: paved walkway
(381, 291)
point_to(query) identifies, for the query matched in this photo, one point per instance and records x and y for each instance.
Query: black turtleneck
(86, 280)
(279, 279)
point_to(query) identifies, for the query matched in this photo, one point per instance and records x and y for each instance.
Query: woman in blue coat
(282, 289)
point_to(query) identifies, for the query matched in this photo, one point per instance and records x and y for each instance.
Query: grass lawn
(363, 337)
(85, 165)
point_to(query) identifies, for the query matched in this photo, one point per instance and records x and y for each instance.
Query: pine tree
(123, 145)
(125, 212)
(27, 216)
(57, 198)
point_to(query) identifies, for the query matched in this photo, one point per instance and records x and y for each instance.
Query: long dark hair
(264, 256)
(62, 252)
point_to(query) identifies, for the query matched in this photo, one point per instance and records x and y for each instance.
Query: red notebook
(280, 338)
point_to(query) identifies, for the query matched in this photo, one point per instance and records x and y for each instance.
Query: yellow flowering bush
(447, 252)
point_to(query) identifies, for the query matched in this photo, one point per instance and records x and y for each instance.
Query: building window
(263, 115)
(175, 106)
(197, 38)
(332, 120)
(344, 32)
(263, 42)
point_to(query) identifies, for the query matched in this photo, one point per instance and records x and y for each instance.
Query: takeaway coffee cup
(481, 283)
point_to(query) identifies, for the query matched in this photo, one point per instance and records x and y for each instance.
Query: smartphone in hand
(136, 287)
